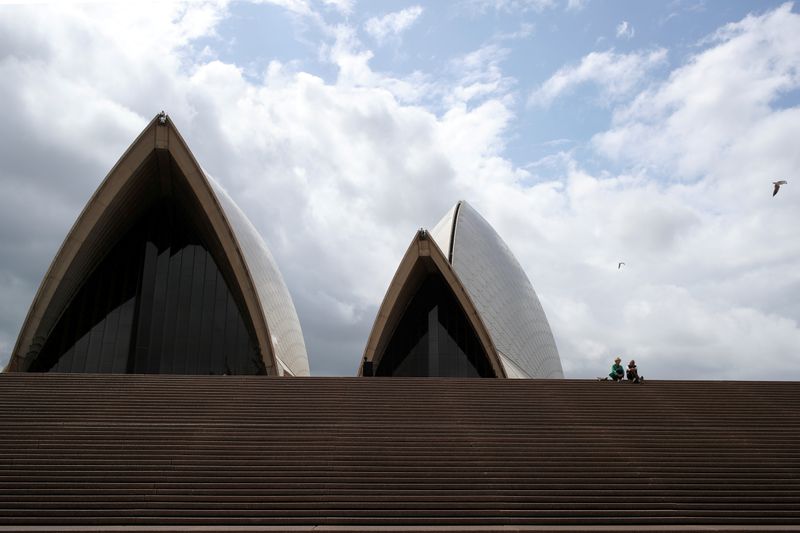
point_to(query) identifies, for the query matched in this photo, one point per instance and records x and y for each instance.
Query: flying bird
(777, 185)
(619, 265)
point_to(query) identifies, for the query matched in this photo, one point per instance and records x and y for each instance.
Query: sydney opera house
(162, 273)
(160, 382)
(460, 305)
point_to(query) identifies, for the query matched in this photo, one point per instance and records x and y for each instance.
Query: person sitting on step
(617, 372)
(633, 372)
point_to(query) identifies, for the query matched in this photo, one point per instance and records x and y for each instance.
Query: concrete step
(178, 452)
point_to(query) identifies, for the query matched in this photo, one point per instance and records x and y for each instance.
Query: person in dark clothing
(633, 372)
(617, 372)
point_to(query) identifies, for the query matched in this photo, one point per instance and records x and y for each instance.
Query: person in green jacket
(617, 372)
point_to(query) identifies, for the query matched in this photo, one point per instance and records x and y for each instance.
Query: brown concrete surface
(218, 453)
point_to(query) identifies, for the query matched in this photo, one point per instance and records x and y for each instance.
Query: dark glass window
(157, 303)
(434, 338)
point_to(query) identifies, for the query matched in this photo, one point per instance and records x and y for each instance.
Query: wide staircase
(163, 453)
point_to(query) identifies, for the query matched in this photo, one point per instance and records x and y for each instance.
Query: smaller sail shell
(502, 293)
(422, 259)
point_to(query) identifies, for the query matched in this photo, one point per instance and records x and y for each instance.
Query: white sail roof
(502, 293)
(120, 198)
(276, 302)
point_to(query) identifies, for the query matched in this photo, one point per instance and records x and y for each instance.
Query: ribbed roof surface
(276, 302)
(223, 451)
(502, 293)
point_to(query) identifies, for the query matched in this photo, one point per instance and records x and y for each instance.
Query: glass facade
(157, 303)
(434, 338)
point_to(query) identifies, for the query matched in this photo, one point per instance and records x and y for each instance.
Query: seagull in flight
(777, 185)
(619, 265)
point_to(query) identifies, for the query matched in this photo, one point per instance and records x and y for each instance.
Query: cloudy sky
(586, 132)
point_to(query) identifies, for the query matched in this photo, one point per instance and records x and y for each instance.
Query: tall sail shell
(159, 162)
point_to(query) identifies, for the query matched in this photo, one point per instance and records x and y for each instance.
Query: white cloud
(525, 30)
(352, 61)
(392, 24)
(478, 75)
(616, 74)
(299, 7)
(510, 6)
(576, 5)
(468, 78)
(343, 6)
(718, 102)
(625, 30)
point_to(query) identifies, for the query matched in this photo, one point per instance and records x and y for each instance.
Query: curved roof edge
(444, 231)
(101, 219)
(423, 257)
